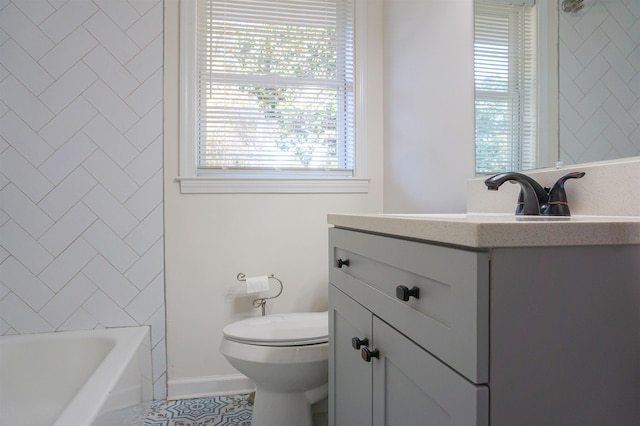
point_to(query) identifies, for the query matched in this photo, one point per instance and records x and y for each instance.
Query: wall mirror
(587, 96)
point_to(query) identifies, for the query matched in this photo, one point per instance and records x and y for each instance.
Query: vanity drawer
(449, 318)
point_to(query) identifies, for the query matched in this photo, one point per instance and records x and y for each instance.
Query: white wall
(81, 243)
(429, 149)
(210, 238)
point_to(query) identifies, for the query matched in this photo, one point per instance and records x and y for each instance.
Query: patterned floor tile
(232, 410)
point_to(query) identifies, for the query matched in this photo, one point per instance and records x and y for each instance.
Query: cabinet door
(449, 318)
(349, 376)
(410, 387)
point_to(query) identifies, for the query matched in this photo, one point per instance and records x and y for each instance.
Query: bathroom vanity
(484, 320)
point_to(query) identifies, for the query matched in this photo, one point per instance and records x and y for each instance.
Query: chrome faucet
(533, 197)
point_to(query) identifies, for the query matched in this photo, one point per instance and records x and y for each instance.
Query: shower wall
(81, 208)
(600, 81)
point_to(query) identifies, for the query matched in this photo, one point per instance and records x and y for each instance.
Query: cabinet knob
(357, 343)
(404, 293)
(367, 354)
(342, 263)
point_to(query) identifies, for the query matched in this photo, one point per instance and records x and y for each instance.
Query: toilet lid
(281, 329)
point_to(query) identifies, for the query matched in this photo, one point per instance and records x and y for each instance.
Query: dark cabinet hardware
(357, 343)
(404, 293)
(342, 263)
(367, 354)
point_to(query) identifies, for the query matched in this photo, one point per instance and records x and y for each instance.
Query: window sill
(209, 185)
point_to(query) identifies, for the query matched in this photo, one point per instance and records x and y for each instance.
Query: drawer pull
(404, 292)
(367, 354)
(356, 343)
(342, 263)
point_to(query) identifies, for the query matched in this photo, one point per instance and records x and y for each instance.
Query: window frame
(512, 94)
(548, 117)
(189, 179)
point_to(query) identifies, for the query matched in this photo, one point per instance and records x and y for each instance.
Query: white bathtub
(75, 378)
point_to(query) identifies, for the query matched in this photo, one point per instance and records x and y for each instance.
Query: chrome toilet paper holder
(262, 301)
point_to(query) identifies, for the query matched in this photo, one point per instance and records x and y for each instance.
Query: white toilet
(286, 356)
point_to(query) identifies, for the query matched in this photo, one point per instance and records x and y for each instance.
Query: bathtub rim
(91, 398)
(89, 401)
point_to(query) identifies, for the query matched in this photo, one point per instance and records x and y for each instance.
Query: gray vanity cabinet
(402, 383)
(494, 336)
(352, 382)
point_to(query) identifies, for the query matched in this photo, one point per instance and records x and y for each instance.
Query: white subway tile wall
(600, 82)
(81, 233)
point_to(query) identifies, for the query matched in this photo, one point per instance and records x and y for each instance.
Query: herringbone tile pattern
(81, 233)
(600, 81)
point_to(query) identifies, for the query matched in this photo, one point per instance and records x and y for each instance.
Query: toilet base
(281, 409)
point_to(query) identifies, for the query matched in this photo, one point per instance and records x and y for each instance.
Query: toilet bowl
(286, 356)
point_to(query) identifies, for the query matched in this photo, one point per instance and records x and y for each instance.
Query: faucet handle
(558, 205)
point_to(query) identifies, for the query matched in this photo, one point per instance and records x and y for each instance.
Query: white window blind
(505, 86)
(275, 87)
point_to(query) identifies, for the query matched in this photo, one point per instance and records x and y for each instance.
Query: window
(505, 86)
(268, 102)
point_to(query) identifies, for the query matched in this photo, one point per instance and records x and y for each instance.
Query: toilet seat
(296, 329)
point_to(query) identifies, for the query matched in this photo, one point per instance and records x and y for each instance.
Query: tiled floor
(219, 411)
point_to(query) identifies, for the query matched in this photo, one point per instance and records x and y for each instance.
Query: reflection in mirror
(599, 81)
(586, 83)
(505, 86)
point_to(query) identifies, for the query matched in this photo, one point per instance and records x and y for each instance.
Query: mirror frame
(548, 93)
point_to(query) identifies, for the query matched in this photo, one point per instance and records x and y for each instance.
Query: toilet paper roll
(257, 284)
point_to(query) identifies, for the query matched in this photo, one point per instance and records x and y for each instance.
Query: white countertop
(483, 230)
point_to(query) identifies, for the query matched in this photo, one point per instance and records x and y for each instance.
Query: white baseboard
(202, 387)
